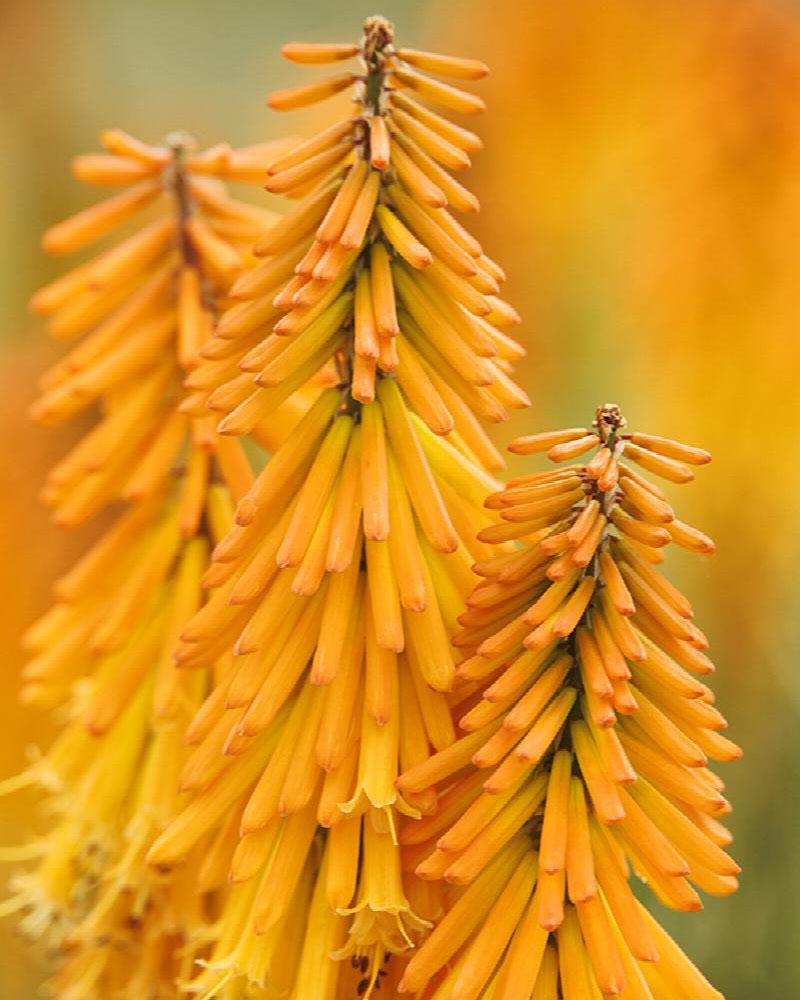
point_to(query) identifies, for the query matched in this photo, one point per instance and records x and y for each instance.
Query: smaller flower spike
(587, 736)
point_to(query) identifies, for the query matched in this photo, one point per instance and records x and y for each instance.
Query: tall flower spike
(341, 583)
(586, 743)
(143, 308)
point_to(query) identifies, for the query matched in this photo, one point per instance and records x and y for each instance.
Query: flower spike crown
(587, 742)
(340, 585)
(143, 309)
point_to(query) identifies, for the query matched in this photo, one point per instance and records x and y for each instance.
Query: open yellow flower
(587, 738)
(340, 585)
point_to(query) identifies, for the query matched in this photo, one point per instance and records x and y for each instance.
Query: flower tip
(38, 305)
(246, 511)
(523, 399)
(38, 414)
(400, 783)
(156, 856)
(50, 243)
(422, 872)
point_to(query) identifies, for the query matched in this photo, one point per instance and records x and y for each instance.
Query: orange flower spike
(340, 586)
(145, 308)
(597, 702)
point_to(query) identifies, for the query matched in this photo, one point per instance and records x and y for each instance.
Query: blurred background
(640, 184)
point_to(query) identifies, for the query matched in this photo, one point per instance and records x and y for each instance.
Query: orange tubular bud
(668, 468)
(122, 144)
(311, 93)
(553, 851)
(402, 239)
(434, 145)
(544, 442)
(432, 62)
(414, 180)
(292, 177)
(313, 53)
(571, 449)
(92, 223)
(454, 134)
(440, 93)
(96, 168)
(612, 578)
(690, 538)
(382, 288)
(356, 227)
(379, 143)
(455, 194)
(672, 449)
(581, 883)
(304, 150)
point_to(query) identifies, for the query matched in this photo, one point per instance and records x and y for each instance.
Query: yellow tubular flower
(340, 584)
(587, 733)
(104, 652)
